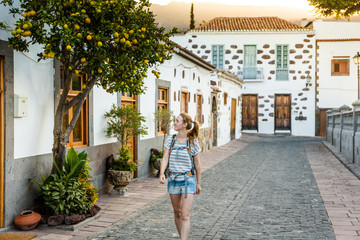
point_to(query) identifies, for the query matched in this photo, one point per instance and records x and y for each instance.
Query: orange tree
(112, 42)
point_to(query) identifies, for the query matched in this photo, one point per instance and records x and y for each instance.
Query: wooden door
(322, 122)
(2, 141)
(214, 120)
(233, 118)
(128, 99)
(184, 102)
(282, 112)
(249, 112)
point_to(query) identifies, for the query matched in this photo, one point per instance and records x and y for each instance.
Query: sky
(303, 4)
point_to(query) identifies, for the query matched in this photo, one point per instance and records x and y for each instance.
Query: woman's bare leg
(176, 202)
(186, 204)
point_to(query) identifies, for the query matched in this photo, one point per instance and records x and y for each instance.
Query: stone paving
(340, 190)
(264, 191)
(141, 193)
(258, 187)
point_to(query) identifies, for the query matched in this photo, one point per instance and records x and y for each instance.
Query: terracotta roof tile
(248, 24)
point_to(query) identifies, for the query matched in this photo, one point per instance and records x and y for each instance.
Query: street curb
(355, 169)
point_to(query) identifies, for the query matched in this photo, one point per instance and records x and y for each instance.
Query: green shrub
(123, 162)
(66, 196)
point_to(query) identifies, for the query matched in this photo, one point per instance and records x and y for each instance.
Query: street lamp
(356, 59)
(308, 80)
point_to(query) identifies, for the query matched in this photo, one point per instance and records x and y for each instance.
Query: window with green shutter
(218, 56)
(282, 62)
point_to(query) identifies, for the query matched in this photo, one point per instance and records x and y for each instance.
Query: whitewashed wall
(301, 57)
(224, 114)
(102, 103)
(33, 134)
(180, 64)
(335, 91)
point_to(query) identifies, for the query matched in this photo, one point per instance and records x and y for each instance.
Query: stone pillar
(356, 107)
(329, 138)
(334, 112)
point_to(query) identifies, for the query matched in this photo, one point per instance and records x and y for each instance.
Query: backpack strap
(191, 157)
(172, 142)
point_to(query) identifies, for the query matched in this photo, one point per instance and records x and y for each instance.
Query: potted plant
(163, 119)
(123, 123)
(155, 160)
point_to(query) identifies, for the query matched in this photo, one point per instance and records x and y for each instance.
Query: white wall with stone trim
(335, 91)
(301, 46)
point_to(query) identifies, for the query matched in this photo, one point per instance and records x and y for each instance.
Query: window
(340, 67)
(79, 135)
(218, 56)
(282, 71)
(199, 108)
(225, 99)
(163, 103)
(184, 101)
(250, 69)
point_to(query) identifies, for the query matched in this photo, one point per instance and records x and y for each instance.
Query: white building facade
(274, 58)
(336, 73)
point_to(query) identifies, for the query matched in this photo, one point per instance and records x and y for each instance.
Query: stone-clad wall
(301, 57)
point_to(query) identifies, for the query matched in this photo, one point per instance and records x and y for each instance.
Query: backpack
(188, 147)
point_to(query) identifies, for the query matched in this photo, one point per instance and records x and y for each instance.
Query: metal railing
(251, 73)
(282, 74)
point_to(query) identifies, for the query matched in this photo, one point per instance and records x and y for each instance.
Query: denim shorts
(178, 187)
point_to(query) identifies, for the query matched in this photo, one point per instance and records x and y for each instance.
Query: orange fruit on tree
(87, 20)
(83, 59)
(89, 37)
(99, 44)
(77, 27)
(68, 47)
(27, 33)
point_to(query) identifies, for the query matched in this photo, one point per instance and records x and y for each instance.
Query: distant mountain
(177, 14)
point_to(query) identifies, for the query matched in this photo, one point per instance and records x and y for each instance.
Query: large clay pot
(120, 179)
(27, 220)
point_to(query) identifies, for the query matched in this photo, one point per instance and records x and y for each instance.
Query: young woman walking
(182, 150)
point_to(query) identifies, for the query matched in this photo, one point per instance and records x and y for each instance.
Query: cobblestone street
(267, 190)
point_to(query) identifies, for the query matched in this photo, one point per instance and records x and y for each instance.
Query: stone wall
(343, 132)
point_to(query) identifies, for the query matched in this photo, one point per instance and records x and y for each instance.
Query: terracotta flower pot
(27, 220)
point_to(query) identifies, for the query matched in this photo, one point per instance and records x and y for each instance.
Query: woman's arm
(197, 164)
(163, 165)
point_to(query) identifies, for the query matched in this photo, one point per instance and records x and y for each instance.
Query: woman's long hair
(192, 127)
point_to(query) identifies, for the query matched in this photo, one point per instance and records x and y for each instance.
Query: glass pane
(76, 83)
(159, 93)
(77, 132)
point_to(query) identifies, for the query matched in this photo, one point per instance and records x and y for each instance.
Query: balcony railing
(251, 73)
(282, 74)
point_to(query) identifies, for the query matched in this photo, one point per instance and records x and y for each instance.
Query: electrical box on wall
(20, 106)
